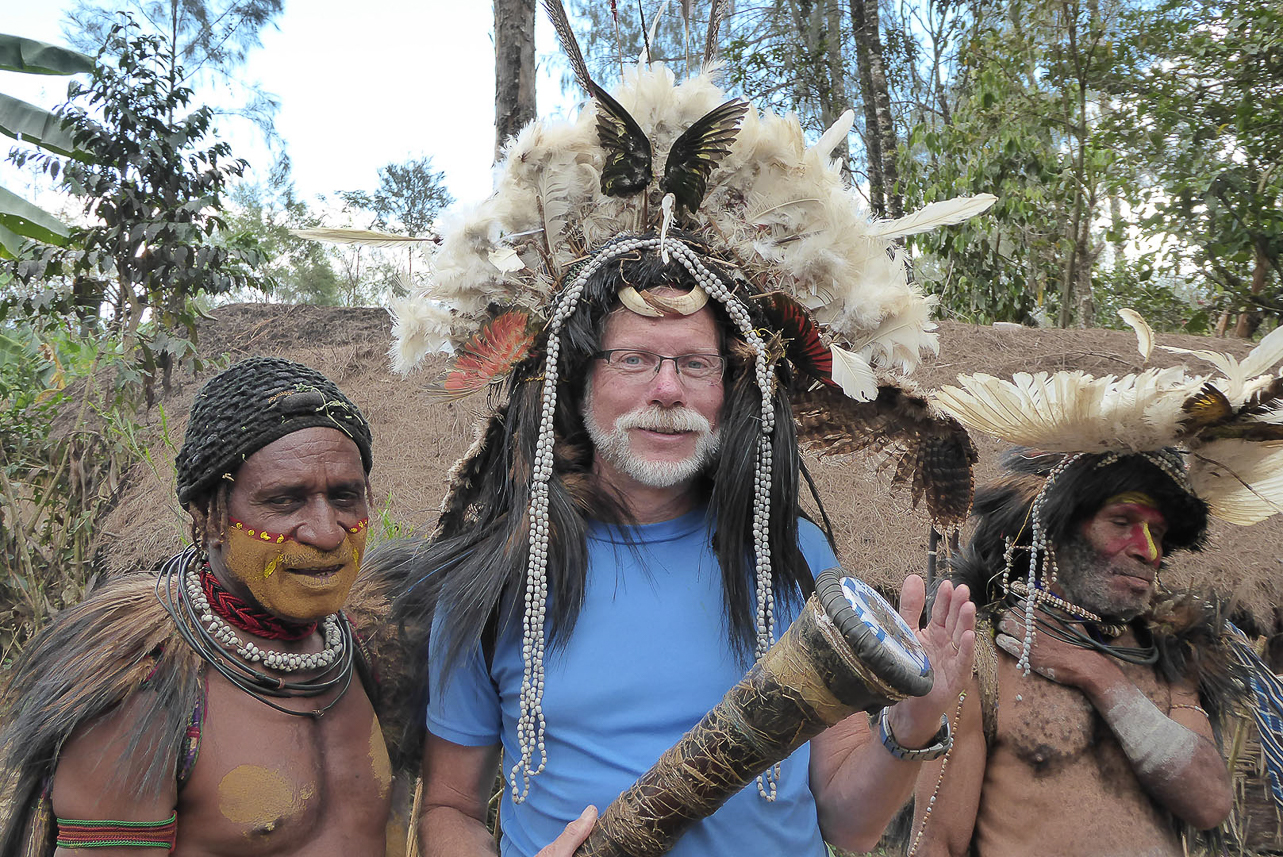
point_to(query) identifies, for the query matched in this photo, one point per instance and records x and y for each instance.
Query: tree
(153, 195)
(299, 270)
(1203, 114)
(409, 196)
(514, 68)
(19, 219)
(880, 136)
(205, 39)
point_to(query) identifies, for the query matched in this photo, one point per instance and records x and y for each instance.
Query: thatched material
(879, 536)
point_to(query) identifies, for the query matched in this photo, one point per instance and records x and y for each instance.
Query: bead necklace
(532, 752)
(172, 590)
(286, 662)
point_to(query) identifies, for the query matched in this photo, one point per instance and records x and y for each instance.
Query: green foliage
(209, 40)
(1167, 303)
(153, 194)
(66, 438)
(33, 125)
(409, 197)
(301, 271)
(1203, 119)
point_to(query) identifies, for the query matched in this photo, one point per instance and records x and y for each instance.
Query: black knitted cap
(243, 409)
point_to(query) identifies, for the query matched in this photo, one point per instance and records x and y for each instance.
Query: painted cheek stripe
(278, 538)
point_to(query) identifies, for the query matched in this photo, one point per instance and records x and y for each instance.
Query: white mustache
(656, 418)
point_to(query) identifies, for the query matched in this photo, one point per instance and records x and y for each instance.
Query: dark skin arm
(97, 779)
(949, 829)
(1173, 754)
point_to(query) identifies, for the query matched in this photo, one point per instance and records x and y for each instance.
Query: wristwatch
(940, 742)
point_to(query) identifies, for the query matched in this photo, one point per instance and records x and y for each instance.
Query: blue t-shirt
(649, 657)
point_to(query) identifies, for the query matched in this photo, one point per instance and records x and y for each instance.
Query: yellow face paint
(1140, 531)
(291, 580)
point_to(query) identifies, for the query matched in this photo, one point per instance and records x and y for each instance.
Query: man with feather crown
(626, 536)
(1091, 725)
(222, 706)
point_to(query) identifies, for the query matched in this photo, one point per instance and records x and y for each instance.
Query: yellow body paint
(260, 798)
(379, 759)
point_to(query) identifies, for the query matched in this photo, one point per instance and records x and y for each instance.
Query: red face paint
(1128, 526)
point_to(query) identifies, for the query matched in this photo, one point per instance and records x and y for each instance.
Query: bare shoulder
(105, 770)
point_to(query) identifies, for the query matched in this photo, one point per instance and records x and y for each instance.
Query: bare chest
(267, 782)
(1047, 726)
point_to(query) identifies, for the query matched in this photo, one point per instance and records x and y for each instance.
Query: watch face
(894, 635)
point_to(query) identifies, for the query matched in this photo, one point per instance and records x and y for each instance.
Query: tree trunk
(867, 26)
(837, 101)
(514, 68)
(1250, 319)
(872, 140)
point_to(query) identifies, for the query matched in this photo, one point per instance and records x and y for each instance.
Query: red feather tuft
(805, 347)
(490, 354)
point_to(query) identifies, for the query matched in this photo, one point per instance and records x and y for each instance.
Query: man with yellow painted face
(1093, 734)
(224, 705)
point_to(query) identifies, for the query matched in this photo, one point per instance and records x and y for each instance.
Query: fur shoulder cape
(119, 644)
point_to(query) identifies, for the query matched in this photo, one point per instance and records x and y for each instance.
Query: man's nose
(1144, 546)
(321, 528)
(666, 387)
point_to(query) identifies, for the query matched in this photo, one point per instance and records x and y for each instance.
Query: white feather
(853, 374)
(835, 134)
(366, 237)
(1218, 473)
(1144, 333)
(932, 215)
(1267, 352)
(506, 259)
(1072, 411)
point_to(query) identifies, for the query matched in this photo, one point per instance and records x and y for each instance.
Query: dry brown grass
(416, 441)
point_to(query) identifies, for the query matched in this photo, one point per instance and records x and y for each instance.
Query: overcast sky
(360, 85)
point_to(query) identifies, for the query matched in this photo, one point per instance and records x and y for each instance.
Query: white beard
(615, 447)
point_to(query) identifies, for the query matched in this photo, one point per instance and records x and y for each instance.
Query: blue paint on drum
(885, 623)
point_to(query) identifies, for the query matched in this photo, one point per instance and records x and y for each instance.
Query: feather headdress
(1230, 425)
(1205, 444)
(777, 210)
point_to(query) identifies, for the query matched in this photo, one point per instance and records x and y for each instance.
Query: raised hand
(949, 638)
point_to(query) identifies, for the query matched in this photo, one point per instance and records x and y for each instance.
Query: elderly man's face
(1112, 566)
(298, 513)
(657, 430)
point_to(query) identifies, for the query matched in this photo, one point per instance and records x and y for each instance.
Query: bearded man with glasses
(649, 591)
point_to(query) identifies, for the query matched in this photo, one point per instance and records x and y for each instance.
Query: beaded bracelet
(107, 833)
(940, 742)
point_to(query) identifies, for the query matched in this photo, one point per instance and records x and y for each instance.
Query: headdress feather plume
(1228, 425)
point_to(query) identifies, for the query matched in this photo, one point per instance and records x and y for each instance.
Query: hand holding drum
(848, 651)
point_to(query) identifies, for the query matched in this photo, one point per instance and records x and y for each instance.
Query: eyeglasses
(646, 364)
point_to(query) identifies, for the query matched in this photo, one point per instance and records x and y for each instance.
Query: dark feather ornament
(931, 453)
(804, 346)
(628, 167)
(697, 152)
(1207, 407)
